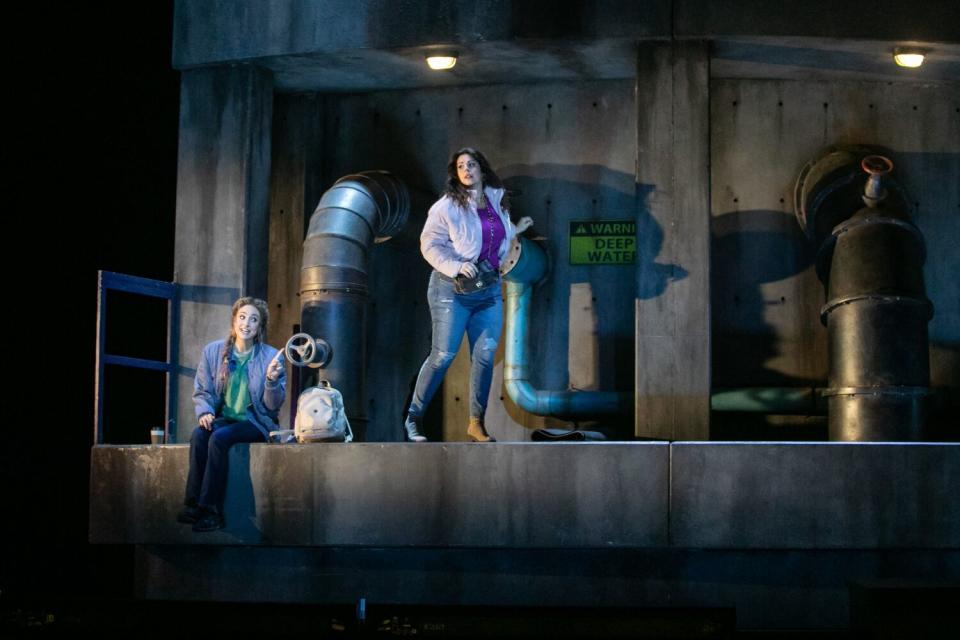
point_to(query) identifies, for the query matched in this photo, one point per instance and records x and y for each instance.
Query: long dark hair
(459, 193)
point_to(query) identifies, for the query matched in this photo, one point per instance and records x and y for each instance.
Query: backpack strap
(348, 434)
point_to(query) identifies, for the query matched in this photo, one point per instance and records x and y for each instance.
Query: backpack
(320, 416)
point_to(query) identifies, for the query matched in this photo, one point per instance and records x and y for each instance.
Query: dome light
(906, 57)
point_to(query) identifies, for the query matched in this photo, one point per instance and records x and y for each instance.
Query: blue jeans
(207, 478)
(481, 316)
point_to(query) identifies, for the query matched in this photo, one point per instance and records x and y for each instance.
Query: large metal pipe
(876, 310)
(524, 266)
(357, 211)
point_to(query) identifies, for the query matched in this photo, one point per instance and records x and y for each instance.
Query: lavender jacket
(453, 235)
(266, 397)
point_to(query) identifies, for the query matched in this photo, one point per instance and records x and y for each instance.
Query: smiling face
(246, 323)
(469, 172)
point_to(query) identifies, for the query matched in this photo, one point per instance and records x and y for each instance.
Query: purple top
(493, 235)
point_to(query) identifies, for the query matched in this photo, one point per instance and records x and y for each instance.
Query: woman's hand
(206, 421)
(469, 269)
(275, 368)
(525, 223)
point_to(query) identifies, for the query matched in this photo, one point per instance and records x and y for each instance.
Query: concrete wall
(766, 298)
(212, 32)
(726, 495)
(216, 32)
(570, 150)
(779, 531)
(222, 227)
(565, 147)
(723, 293)
(672, 358)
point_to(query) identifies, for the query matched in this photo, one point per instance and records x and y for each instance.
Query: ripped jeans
(481, 316)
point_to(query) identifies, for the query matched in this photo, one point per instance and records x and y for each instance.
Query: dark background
(93, 186)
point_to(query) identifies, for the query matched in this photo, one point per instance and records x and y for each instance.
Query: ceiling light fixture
(439, 61)
(908, 57)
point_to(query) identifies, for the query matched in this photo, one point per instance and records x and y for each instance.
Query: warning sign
(603, 242)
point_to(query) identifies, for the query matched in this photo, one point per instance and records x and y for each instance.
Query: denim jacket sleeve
(205, 396)
(275, 392)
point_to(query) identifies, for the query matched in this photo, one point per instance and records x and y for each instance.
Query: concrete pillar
(222, 233)
(295, 183)
(673, 281)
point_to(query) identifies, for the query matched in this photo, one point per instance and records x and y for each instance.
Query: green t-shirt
(237, 397)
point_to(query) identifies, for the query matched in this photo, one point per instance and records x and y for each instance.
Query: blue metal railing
(169, 291)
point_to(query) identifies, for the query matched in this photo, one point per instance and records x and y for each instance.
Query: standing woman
(467, 231)
(238, 390)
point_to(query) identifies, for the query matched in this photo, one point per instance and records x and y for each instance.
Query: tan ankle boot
(477, 432)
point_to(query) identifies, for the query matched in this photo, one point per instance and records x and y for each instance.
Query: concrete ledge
(814, 495)
(561, 495)
(516, 495)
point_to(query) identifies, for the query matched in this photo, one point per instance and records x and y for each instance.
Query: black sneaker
(189, 514)
(209, 521)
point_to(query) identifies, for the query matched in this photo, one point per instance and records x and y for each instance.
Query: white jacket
(452, 235)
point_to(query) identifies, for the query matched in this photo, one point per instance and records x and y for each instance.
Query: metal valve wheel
(303, 350)
(876, 165)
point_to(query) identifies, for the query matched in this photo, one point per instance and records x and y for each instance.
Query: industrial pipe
(524, 266)
(776, 400)
(355, 212)
(876, 313)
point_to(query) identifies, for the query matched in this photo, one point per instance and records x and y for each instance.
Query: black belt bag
(486, 277)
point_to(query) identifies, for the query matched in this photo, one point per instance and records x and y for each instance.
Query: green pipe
(777, 400)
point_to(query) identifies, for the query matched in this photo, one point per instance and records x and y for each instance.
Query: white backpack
(320, 416)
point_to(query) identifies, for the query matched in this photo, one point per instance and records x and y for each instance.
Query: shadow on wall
(944, 403)
(554, 195)
(750, 250)
(653, 277)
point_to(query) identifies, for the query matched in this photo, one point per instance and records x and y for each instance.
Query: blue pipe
(524, 266)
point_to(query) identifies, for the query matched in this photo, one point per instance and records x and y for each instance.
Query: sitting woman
(238, 391)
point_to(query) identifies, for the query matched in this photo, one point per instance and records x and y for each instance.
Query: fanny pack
(486, 277)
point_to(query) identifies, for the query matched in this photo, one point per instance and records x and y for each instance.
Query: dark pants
(207, 478)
